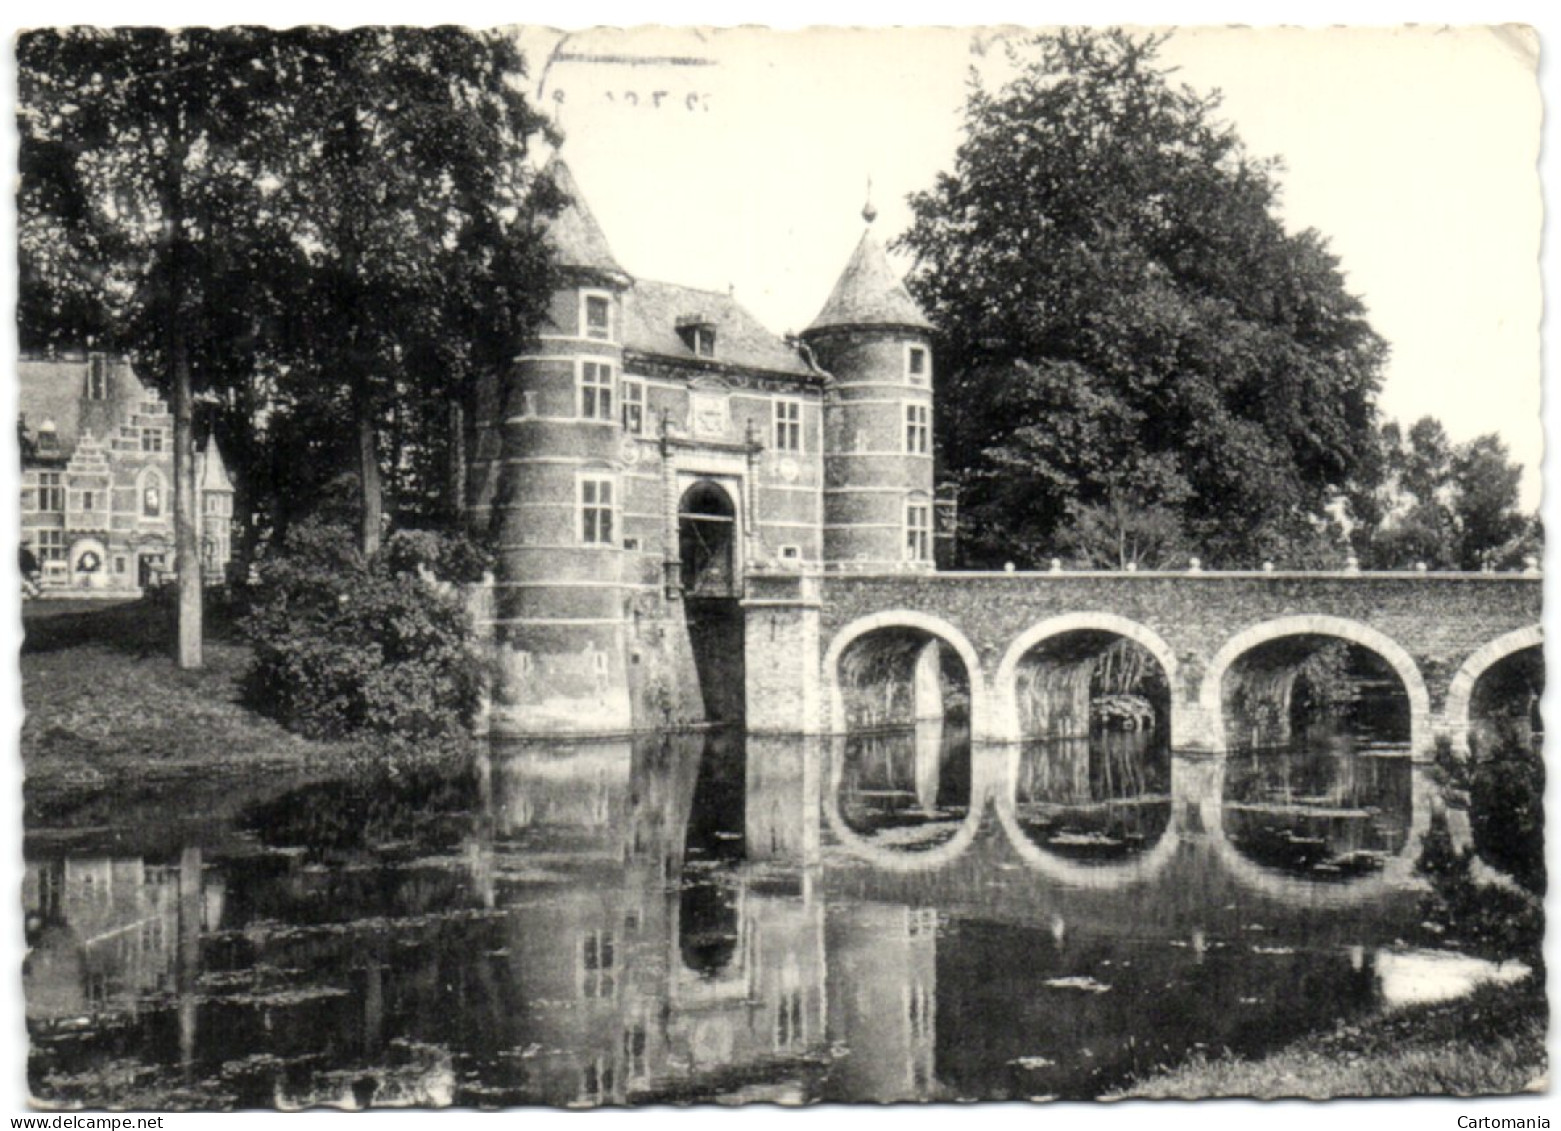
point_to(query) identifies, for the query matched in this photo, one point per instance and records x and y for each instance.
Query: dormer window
(596, 315)
(48, 442)
(698, 334)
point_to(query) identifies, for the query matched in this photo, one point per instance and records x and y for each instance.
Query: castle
(655, 448)
(97, 479)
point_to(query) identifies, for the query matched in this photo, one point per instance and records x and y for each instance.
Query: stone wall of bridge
(1439, 632)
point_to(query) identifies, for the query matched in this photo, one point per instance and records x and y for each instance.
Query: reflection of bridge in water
(685, 917)
(1110, 841)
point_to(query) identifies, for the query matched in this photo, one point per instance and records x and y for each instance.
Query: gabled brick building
(97, 479)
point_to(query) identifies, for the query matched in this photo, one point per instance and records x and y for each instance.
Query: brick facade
(653, 448)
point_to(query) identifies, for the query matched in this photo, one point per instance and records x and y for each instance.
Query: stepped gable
(652, 312)
(56, 389)
(869, 293)
(576, 238)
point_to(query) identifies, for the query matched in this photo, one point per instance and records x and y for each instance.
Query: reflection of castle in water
(588, 943)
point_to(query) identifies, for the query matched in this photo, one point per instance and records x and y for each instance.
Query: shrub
(1504, 787)
(1504, 797)
(345, 645)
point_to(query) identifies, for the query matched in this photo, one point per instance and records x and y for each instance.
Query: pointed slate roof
(869, 293)
(577, 238)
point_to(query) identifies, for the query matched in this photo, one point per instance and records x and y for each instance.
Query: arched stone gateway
(1006, 725)
(1209, 730)
(935, 628)
(707, 541)
(1460, 692)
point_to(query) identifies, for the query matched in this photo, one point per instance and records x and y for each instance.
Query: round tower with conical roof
(548, 487)
(874, 343)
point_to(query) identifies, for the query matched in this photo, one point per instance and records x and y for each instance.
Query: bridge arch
(1004, 692)
(1211, 692)
(980, 709)
(1460, 693)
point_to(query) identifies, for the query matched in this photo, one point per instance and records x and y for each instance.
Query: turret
(549, 489)
(874, 342)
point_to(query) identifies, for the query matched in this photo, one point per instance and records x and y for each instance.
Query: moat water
(709, 917)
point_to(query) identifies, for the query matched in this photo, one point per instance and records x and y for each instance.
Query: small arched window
(152, 496)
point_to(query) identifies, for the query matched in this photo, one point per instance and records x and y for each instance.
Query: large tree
(418, 217)
(332, 233)
(1128, 335)
(132, 159)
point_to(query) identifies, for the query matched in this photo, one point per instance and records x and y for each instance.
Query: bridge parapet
(1439, 631)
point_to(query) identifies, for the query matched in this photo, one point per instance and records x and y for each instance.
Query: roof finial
(869, 213)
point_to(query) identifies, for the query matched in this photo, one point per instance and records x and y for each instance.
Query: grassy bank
(1491, 1042)
(111, 719)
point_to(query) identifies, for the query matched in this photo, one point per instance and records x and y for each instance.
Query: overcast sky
(740, 158)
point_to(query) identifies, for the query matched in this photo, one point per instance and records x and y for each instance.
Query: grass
(110, 718)
(1491, 1042)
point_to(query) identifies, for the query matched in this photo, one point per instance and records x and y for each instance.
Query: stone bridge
(1439, 632)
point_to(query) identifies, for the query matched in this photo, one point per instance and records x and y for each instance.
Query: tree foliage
(407, 193)
(345, 644)
(357, 235)
(1125, 323)
(1446, 505)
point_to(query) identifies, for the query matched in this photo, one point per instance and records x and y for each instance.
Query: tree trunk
(457, 482)
(187, 550)
(368, 471)
(186, 542)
